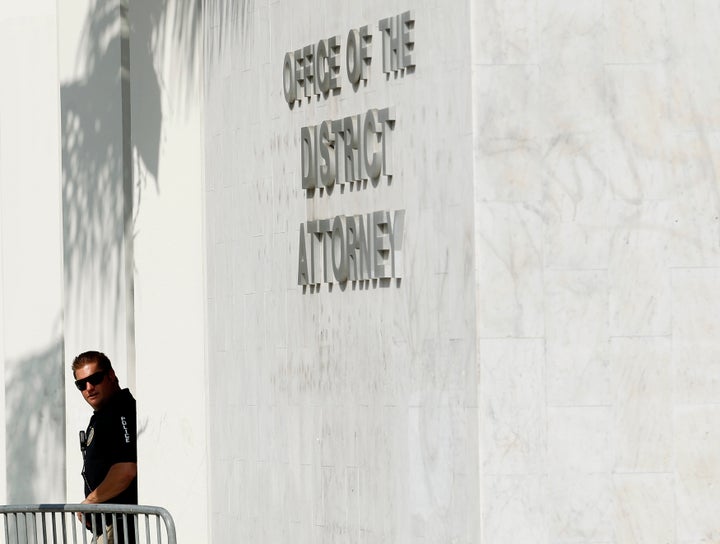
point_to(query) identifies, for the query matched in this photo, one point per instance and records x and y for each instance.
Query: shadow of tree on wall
(34, 400)
(165, 60)
(94, 198)
(94, 193)
(95, 167)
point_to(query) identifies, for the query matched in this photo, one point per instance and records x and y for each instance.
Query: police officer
(109, 444)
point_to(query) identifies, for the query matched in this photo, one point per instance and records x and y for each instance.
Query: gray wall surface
(340, 410)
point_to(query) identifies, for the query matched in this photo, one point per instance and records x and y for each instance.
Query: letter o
(289, 88)
(340, 269)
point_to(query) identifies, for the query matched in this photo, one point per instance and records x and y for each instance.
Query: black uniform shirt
(111, 437)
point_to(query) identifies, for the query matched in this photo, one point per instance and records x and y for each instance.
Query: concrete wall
(340, 411)
(167, 140)
(31, 333)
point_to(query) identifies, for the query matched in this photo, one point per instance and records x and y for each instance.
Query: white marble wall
(31, 336)
(597, 240)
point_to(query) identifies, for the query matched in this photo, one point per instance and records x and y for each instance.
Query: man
(109, 444)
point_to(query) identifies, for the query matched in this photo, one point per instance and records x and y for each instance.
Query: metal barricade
(60, 524)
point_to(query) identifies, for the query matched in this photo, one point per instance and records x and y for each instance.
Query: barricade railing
(60, 524)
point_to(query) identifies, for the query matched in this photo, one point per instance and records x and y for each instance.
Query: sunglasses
(93, 379)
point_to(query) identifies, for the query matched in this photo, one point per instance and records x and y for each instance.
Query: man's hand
(80, 514)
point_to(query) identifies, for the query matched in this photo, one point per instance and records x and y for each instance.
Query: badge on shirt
(91, 435)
